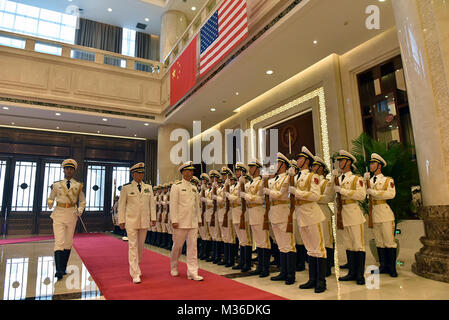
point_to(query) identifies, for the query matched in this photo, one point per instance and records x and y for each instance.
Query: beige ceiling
(287, 49)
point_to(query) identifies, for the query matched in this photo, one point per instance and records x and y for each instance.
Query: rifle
(214, 204)
(168, 206)
(203, 204)
(339, 206)
(370, 207)
(227, 206)
(292, 207)
(161, 209)
(243, 202)
(266, 225)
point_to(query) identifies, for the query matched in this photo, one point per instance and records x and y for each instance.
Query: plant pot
(373, 248)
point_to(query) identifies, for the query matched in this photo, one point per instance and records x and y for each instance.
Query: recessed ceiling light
(269, 72)
(57, 127)
(57, 114)
(146, 124)
(212, 109)
(236, 93)
(5, 108)
(315, 41)
(147, 19)
(104, 119)
(98, 131)
(12, 123)
(381, 0)
(109, 9)
(135, 135)
(193, 8)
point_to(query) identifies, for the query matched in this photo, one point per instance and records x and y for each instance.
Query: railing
(192, 30)
(77, 52)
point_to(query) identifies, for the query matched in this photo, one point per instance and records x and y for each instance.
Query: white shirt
(184, 205)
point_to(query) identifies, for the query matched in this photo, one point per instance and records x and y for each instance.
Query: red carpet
(27, 239)
(106, 258)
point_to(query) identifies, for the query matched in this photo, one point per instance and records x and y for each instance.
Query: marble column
(173, 25)
(167, 170)
(423, 35)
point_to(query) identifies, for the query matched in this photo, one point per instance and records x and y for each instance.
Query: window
(16, 275)
(120, 176)
(23, 189)
(95, 188)
(384, 103)
(129, 42)
(2, 181)
(37, 22)
(53, 172)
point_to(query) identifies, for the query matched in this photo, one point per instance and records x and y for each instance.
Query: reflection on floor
(27, 272)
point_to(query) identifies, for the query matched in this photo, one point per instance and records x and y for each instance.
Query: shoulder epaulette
(178, 182)
(126, 184)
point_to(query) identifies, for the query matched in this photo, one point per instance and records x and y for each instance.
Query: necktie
(375, 178)
(68, 184)
(140, 189)
(299, 174)
(342, 178)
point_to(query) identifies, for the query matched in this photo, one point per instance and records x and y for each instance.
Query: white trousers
(384, 233)
(285, 240)
(328, 234)
(136, 243)
(63, 232)
(179, 237)
(204, 231)
(244, 235)
(354, 237)
(227, 233)
(314, 240)
(260, 236)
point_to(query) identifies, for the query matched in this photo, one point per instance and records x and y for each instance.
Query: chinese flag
(183, 73)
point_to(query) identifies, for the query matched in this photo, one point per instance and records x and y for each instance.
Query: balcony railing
(77, 52)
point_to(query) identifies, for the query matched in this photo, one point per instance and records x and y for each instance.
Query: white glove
(292, 190)
(370, 191)
(367, 176)
(242, 179)
(242, 194)
(265, 176)
(227, 194)
(266, 191)
(227, 182)
(214, 185)
(337, 189)
(247, 197)
(79, 212)
(203, 187)
(335, 173)
(291, 172)
(203, 199)
(214, 197)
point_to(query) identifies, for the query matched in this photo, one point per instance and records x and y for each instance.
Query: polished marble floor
(27, 273)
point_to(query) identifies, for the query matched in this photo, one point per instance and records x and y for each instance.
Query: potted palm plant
(401, 167)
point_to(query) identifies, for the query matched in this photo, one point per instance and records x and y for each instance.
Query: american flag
(224, 30)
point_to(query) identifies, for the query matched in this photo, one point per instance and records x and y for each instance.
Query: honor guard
(382, 189)
(185, 215)
(158, 239)
(164, 201)
(70, 204)
(352, 189)
(243, 234)
(212, 217)
(310, 219)
(255, 202)
(279, 212)
(225, 220)
(169, 227)
(137, 210)
(301, 252)
(327, 196)
(206, 247)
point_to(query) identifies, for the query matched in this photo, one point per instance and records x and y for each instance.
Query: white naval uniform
(327, 196)
(383, 216)
(243, 235)
(65, 218)
(204, 229)
(353, 190)
(164, 212)
(220, 213)
(226, 232)
(136, 210)
(256, 213)
(279, 212)
(158, 217)
(213, 230)
(184, 210)
(309, 215)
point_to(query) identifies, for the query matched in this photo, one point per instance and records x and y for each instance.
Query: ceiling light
(5, 108)
(193, 8)
(315, 41)
(98, 131)
(147, 19)
(236, 93)
(146, 124)
(57, 114)
(12, 123)
(269, 72)
(57, 127)
(109, 9)
(135, 135)
(104, 119)
(212, 109)
(381, 0)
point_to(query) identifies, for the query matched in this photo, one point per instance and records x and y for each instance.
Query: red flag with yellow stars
(183, 73)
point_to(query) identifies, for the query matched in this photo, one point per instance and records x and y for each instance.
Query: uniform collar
(304, 171)
(135, 182)
(379, 176)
